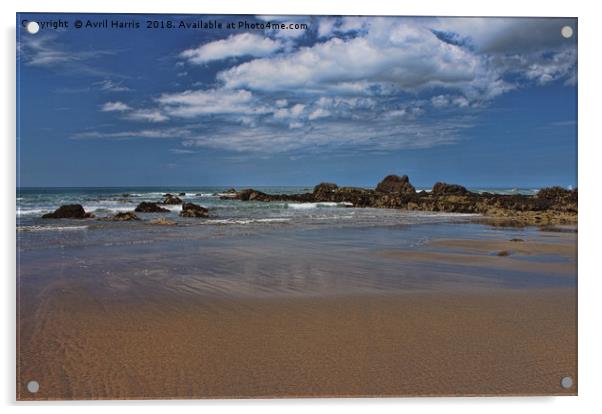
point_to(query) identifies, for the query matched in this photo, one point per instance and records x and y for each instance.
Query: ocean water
(32, 203)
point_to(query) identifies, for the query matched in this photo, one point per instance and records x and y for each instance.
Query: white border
(590, 286)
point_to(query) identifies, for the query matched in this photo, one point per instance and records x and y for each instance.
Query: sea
(32, 203)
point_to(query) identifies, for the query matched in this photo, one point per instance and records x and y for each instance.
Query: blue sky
(476, 101)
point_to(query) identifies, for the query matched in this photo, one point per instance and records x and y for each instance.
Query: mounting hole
(566, 32)
(32, 27)
(33, 387)
(566, 382)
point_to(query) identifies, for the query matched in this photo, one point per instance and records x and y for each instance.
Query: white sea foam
(51, 228)
(31, 211)
(307, 206)
(247, 221)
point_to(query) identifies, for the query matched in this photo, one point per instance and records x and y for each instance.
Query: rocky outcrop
(181, 194)
(395, 184)
(69, 211)
(324, 190)
(253, 195)
(446, 189)
(552, 205)
(146, 207)
(171, 199)
(558, 195)
(193, 210)
(125, 216)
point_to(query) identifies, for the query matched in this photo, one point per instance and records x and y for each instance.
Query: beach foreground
(427, 344)
(289, 298)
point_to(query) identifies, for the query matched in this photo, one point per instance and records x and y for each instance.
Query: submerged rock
(162, 221)
(125, 216)
(444, 188)
(171, 199)
(395, 184)
(72, 211)
(193, 210)
(146, 207)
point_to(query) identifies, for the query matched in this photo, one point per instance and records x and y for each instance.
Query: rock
(70, 211)
(171, 199)
(146, 207)
(162, 221)
(324, 190)
(557, 194)
(182, 194)
(193, 210)
(444, 188)
(516, 240)
(503, 253)
(249, 195)
(395, 184)
(126, 216)
(229, 194)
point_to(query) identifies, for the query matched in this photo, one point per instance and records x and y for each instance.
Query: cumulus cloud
(115, 107)
(389, 58)
(244, 44)
(364, 84)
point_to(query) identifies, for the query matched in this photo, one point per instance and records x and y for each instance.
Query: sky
(483, 102)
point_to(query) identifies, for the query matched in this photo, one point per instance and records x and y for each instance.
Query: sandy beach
(80, 342)
(509, 343)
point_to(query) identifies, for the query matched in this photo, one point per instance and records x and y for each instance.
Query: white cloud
(318, 113)
(150, 115)
(244, 44)
(111, 86)
(191, 103)
(391, 56)
(175, 133)
(115, 107)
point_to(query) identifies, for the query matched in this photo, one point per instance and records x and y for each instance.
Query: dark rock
(70, 211)
(171, 199)
(395, 184)
(503, 253)
(146, 207)
(126, 216)
(516, 240)
(444, 188)
(324, 191)
(193, 210)
(249, 195)
(557, 194)
(182, 194)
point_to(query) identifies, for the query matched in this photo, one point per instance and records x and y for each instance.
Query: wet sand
(502, 342)
(520, 255)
